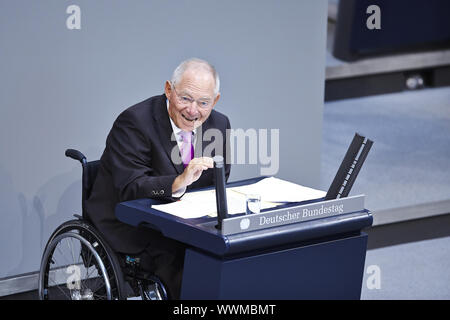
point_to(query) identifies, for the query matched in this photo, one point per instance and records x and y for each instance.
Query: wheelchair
(78, 264)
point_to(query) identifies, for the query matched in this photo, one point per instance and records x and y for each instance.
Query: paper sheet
(272, 190)
(203, 203)
(277, 190)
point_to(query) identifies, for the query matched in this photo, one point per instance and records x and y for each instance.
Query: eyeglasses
(186, 100)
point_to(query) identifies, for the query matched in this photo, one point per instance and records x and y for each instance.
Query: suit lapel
(166, 136)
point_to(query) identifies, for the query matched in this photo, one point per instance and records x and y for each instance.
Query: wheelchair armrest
(76, 155)
(78, 216)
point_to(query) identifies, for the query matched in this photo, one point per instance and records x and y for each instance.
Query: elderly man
(155, 150)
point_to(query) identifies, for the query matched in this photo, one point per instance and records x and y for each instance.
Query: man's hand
(192, 172)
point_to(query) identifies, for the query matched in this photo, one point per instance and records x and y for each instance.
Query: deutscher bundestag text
(305, 213)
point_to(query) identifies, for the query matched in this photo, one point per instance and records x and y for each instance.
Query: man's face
(192, 99)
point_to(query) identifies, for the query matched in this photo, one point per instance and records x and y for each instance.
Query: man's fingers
(205, 161)
(196, 167)
(199, 167)
(209, 162)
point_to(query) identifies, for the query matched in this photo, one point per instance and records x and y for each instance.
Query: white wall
(62, 88)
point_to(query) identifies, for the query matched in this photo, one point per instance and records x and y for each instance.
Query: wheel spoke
(58, 286)
(62, 255)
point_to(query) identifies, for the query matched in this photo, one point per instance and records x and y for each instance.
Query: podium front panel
(324, 270)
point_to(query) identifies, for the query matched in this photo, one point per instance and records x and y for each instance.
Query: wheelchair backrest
(89, 174)
(90, 170)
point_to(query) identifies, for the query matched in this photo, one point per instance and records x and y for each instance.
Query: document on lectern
(273, 192)
(203, 203)
(277, 190)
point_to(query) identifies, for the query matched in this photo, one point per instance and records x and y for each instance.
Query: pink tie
(187, 149)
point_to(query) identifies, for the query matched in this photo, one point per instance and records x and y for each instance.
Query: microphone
(221, 195)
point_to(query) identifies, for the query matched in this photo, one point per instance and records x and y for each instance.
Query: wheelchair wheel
(77, 264)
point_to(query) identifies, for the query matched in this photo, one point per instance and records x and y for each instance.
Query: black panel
(406, 25)
(364, 86)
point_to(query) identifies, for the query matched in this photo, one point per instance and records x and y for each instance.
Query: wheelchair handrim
(45, 266)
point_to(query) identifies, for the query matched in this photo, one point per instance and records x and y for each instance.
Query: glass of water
(253, 203)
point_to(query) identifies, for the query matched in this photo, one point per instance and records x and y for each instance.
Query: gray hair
(198, 63)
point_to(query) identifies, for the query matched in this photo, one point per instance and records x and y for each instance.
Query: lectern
(314, 249)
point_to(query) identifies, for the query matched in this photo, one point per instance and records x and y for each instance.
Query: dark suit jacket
(136, 164)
